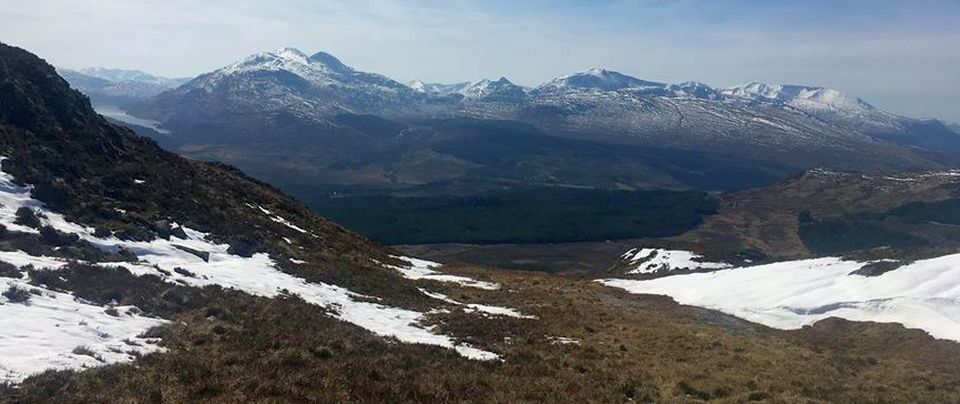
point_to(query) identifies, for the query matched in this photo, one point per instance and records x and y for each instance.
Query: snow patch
(281, 220)
(653, 260)
(46, 331)
(563, 340)
(792, 294)
(483, 308)
(422, 269)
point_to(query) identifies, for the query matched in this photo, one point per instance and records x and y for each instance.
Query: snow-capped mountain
(311, 88)
(830, 104)
(118, 86)
(849, 112)
(501, 90)
(320, 70)
(595, 79)
(122, 75)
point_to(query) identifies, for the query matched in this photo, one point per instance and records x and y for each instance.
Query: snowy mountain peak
(596, 79)
(289, 59)
(320, 69)
(802, 97)
(490, 90)
(292, 54)
(596, 71)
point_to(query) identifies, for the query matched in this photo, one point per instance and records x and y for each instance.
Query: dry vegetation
(765, 219)
(229, 347)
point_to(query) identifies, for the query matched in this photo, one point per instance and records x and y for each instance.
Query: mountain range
(310, 121)
(118, 86)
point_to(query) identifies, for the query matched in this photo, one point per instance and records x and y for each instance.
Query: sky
(902, 56)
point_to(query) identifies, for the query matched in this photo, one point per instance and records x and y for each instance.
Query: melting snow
(21, 259)
(494, 310)
(44, 333)
(789, 295)
(257, 275)
(563, 340)
(281, 220)
(652, 260)
(422, 269)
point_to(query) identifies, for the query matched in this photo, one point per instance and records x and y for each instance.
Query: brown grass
(230, 347)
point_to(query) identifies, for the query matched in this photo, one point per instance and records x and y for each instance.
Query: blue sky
(903, 56)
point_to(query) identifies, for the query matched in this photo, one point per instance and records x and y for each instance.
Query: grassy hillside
(589, 344)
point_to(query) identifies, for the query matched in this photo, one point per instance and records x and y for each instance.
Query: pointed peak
(499, 90)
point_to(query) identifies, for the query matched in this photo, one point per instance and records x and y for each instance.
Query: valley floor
(567, 258)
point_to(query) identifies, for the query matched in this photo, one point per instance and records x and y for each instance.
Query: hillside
(768, 220)
(136, 275)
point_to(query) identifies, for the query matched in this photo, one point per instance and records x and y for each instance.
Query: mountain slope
(309, 87)
(843, 110)
(848, 211)
(187, 222)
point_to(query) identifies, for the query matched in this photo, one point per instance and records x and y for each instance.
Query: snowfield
(173, 261)
(653, 260)
(46, 331)
(792, 294)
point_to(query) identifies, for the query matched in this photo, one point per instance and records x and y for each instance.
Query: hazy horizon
(894, 55)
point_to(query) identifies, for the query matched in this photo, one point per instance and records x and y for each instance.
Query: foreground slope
(115, 208)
